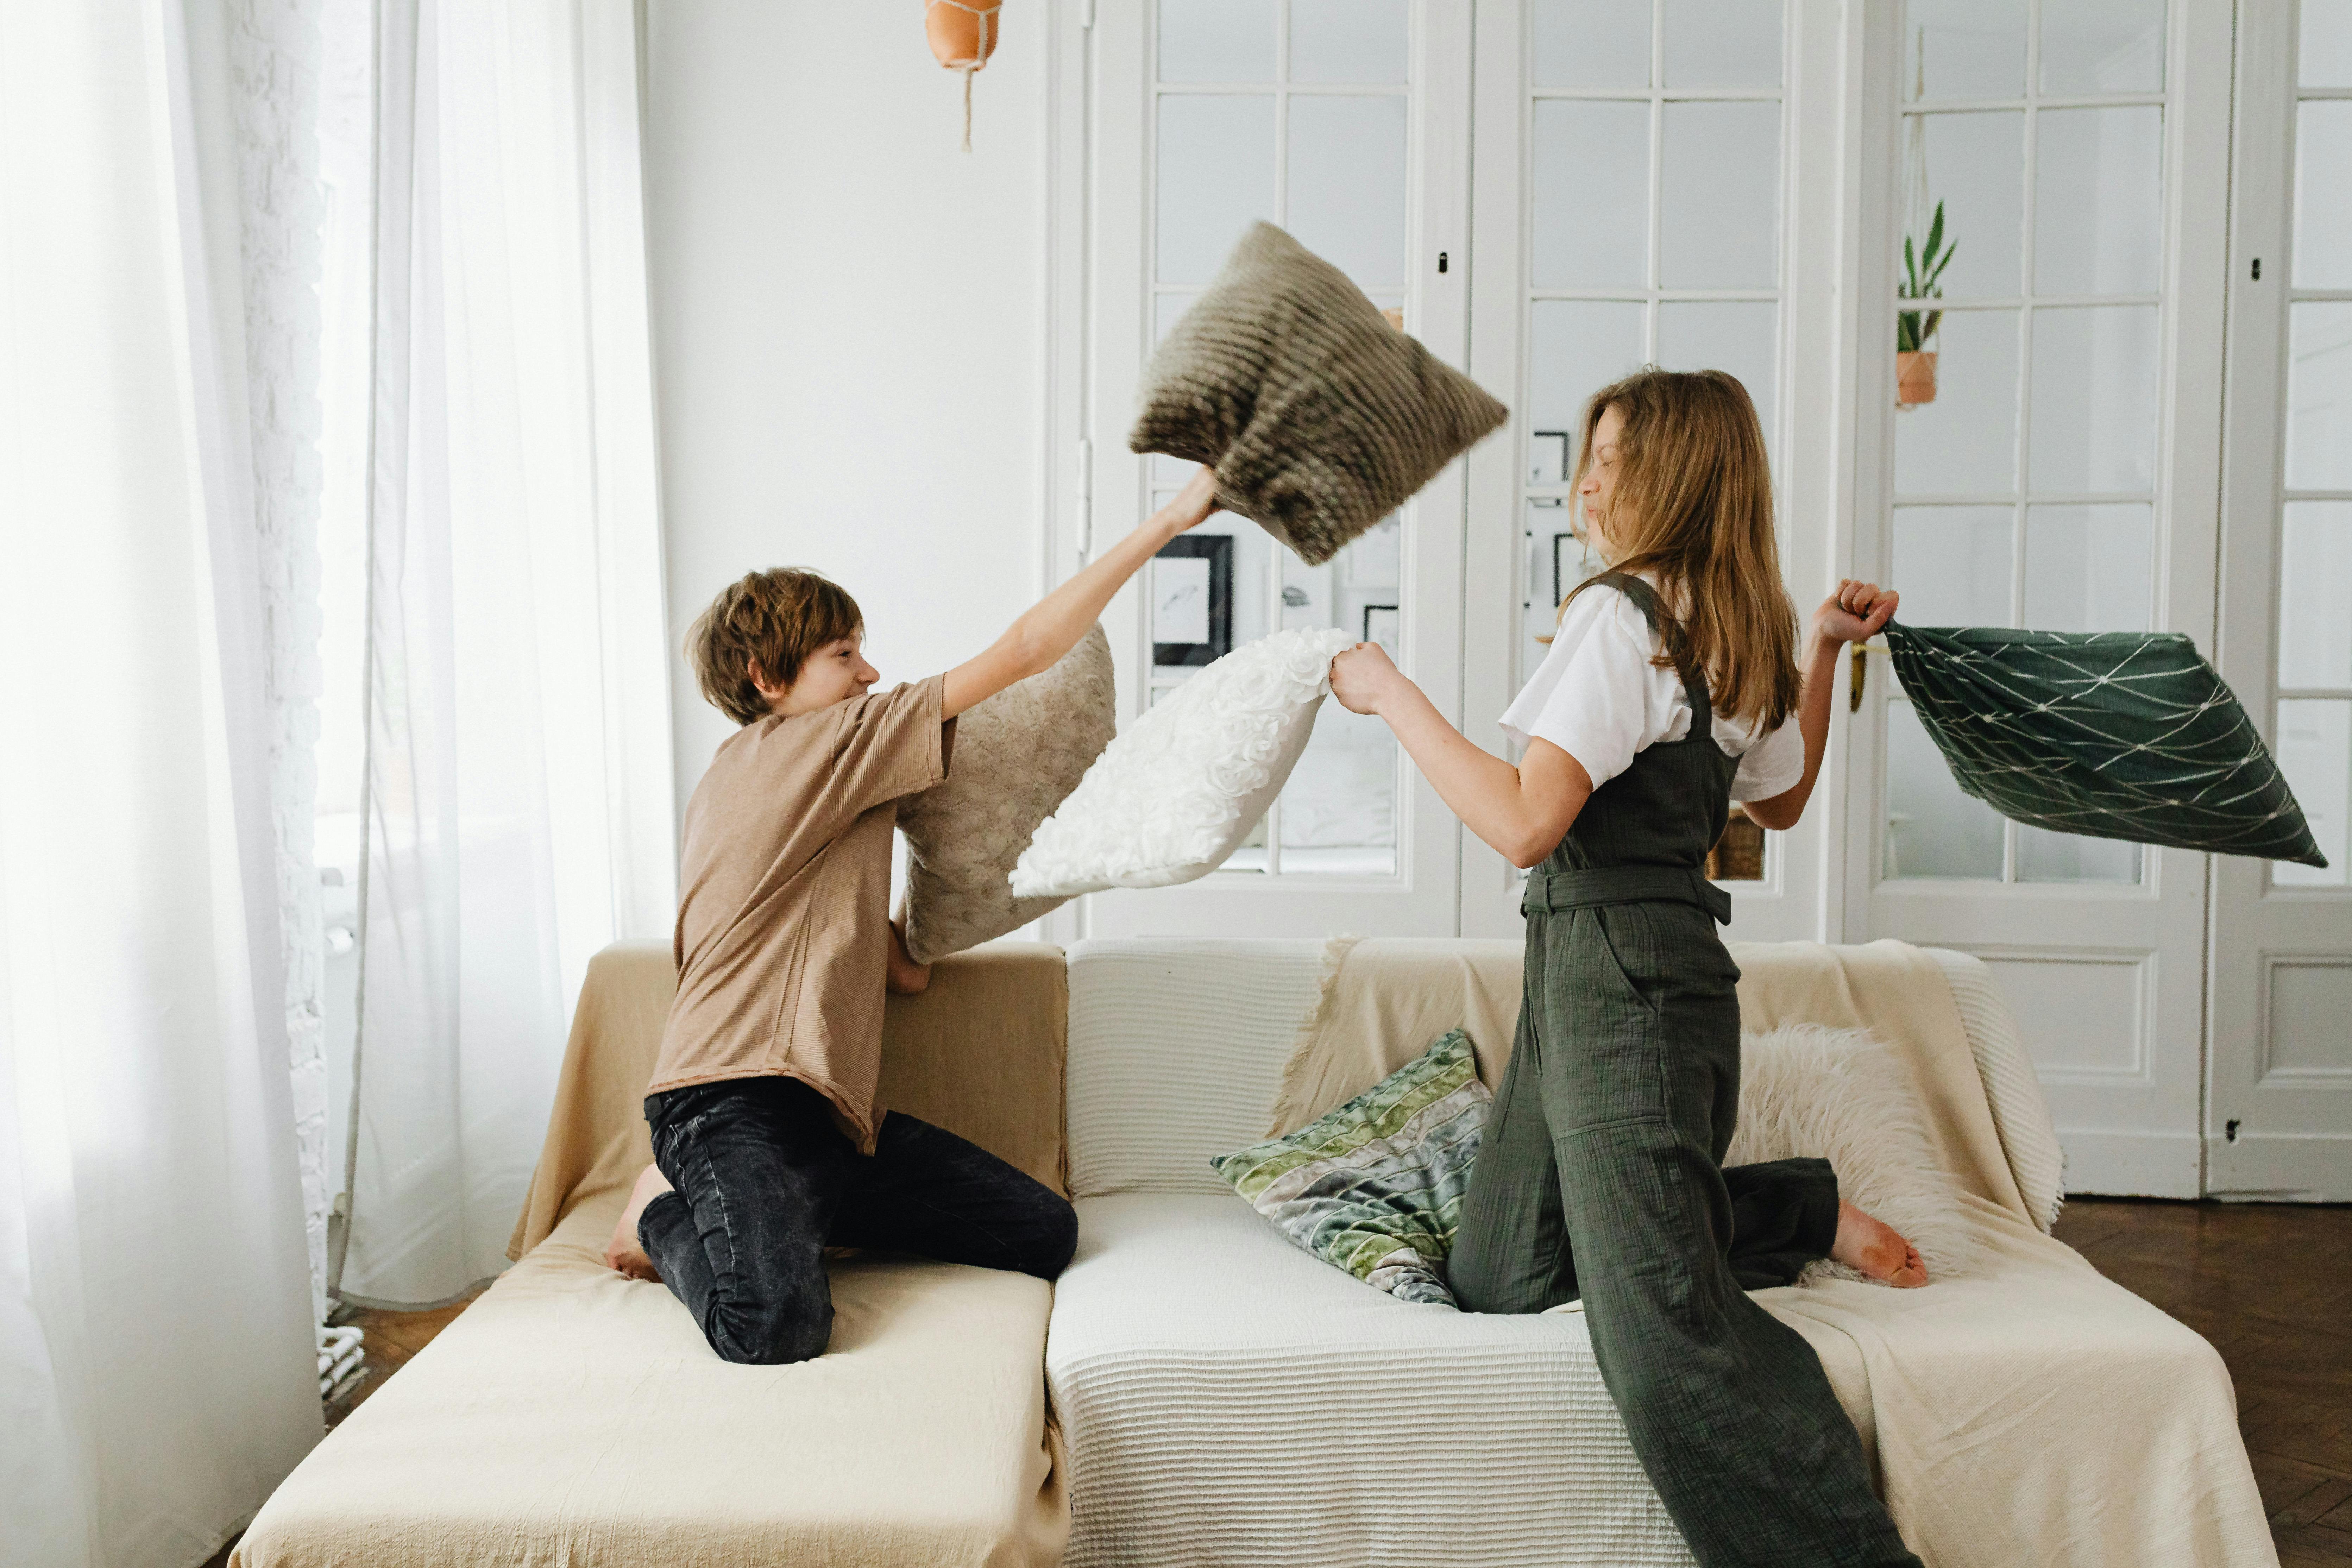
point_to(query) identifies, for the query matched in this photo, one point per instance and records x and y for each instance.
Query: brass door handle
(1861, 672)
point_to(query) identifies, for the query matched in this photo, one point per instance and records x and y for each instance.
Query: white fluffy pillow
(1844, 1096)
(1182, 787)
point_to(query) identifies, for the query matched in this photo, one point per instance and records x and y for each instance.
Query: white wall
(848, 320)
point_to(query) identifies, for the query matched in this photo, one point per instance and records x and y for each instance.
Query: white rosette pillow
(1176, 793)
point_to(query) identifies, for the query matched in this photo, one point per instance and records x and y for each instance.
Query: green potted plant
(1922, 271)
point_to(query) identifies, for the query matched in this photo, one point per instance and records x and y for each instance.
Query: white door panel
(2279, 1101)
(2062, 478)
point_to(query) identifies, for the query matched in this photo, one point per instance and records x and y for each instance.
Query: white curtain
(156, 1333)
(520, 803)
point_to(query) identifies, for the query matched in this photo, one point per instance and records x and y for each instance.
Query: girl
(1668, 692)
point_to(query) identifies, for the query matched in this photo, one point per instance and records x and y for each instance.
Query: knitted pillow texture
(1319, 417)
(1375, 1187)
(1017, 756)
(1177, 792)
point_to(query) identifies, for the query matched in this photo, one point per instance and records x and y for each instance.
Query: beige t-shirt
(784, 907)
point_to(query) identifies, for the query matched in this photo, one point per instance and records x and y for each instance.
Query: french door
(1344, 121)
(2279, 1106)
(2054, 465)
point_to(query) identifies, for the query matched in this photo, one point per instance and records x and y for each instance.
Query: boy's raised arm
(1053, 625)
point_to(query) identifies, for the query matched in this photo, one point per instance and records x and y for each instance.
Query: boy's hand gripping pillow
(1319, 417)
(1016, 757)
(1176, 793)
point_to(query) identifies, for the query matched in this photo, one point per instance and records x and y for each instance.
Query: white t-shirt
(1597, 697)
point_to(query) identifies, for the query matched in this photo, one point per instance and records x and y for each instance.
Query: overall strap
(1645, 599)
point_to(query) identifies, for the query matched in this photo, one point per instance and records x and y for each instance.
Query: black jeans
(765, 1182)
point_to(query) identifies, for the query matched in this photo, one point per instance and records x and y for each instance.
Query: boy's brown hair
(775, 619)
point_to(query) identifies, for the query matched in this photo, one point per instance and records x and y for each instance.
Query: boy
(768, 1146)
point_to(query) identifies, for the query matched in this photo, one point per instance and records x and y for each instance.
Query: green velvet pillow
(1319, 417)
(1375, 1187)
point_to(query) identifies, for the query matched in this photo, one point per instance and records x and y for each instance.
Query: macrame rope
(987, 41)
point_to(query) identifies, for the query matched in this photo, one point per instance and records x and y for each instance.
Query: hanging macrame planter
(963, 37)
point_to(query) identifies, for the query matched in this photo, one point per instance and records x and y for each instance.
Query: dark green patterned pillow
(2126, 735)
(1319, 417)
(1375, 1187)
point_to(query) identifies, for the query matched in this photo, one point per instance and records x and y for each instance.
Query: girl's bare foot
(624, 1253)
(1877, 1249)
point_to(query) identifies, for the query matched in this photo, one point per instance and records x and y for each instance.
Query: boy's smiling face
(835, 672)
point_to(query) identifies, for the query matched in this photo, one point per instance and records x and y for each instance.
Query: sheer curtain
(156, 1353)
(519, 805)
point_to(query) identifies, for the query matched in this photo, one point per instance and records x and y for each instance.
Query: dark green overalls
(1601, 1175)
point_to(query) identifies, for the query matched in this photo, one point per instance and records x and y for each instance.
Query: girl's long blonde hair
(1692, 509)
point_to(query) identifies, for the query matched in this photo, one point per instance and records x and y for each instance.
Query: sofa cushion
(1319, 416)
(1017, 756)
(1180, 788)
(571, 1416)
(1374, 1187)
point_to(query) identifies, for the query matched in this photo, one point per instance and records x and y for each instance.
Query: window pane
(2102, 46)
(2323, 55)
(1740, 337)
(1974, 165)
(1591, 194)
(2094, 385)
(1348, 184)
(2322, 195)
(2090, 568)
(1592, 43)
(1719, 197)
(1216, 40)
(2314, 751)
(1556, 561)
(1575, 348)
(2098, 200)
(2319, 395)
(1347, 40)
(1952, 564)
(1964, 48)
(1338, 810)
(2046, 857)
(1723, 43)
(1216, 178)
(1933, 829)
(1965, 442)
(2314, 591)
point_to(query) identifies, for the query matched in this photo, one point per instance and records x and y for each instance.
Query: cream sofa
(1217, 1397)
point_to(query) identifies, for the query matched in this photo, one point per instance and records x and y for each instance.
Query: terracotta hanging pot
(962, 37)
(1915, 377)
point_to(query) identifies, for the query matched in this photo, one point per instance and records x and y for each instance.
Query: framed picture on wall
(1192, 597)
(1548, 457)
(1383, 624)
(1569, 564)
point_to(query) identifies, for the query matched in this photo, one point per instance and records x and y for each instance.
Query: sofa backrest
(1175, 1048)
(979, 1053)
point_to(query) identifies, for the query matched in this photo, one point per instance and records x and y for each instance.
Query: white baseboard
(2282, 1167)
(2131, 1164)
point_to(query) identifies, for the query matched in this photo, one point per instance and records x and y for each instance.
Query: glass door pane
(1296, 112)
(2027, 343)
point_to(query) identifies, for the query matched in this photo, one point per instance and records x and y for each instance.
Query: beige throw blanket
(2034, 1413)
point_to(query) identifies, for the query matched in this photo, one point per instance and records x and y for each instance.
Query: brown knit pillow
(1016, 757)
(1319, 416)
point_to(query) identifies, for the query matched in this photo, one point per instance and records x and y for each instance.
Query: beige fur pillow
(1844, 1096)
(1319, 417)
(1016, 756)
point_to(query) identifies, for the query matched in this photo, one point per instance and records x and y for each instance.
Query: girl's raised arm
(1856, 613)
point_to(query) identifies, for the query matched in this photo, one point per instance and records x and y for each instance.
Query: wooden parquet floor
(2271, 1285)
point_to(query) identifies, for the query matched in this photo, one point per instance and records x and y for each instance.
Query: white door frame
(1820, 79)
(1101, 212)
(2132, 1127)
(2271, 1128)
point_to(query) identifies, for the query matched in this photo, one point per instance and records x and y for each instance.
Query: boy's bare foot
(624, 1253)
(1877, 1249)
